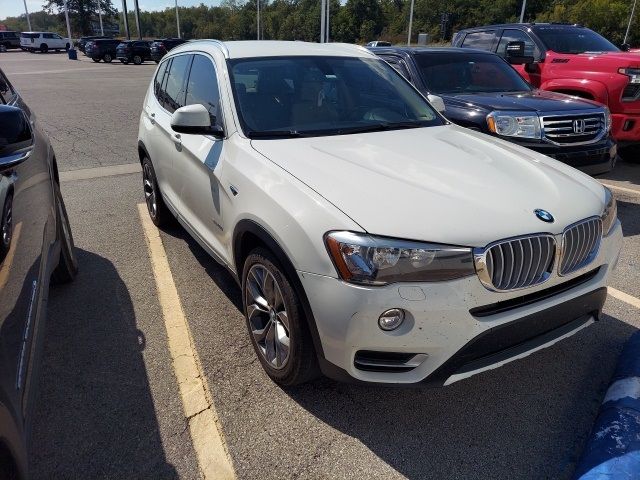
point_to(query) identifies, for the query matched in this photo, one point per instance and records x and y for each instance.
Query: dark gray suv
(10, 39)
(36, 247)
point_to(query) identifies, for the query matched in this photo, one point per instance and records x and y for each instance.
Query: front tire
(67, 268)
(276, 322)
(44, 48)
(137, 59)
(107, 58)
(158, 210)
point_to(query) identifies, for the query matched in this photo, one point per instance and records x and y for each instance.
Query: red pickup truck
(569, 59)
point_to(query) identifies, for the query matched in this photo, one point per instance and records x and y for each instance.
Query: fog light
(391, 319)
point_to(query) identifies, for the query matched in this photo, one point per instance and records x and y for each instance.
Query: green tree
(83, 14)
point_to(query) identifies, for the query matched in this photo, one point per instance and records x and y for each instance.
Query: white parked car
(372, 239)
(43, 42)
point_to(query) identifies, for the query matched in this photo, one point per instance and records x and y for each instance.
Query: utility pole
(137, 12)
(524, 5)
(410, 23)
(258, 20)
(27, 12)
(633, 10)
(100, 16)
(178, 19)
(323, 23)
(125, 16)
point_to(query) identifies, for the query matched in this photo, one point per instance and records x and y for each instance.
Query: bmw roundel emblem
(543, 215)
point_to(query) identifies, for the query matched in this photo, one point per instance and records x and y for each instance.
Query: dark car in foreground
(82, 42)
(10, 39)
(483, 92)
(159, 48)
(102, 49)
(136, 51)
(36, 248)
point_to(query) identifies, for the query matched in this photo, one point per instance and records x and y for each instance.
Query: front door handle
(177, 138)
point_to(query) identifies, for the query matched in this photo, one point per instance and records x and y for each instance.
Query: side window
(174, 90)
(57, 37)
(159, 80)
(399, 65)
(481, 40)
(6, 91)
(511, 35)
(202, 86)
(47, 35)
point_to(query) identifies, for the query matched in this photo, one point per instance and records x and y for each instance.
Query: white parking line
(621, 189)
(50, 72)
(197, 401)
(98, 172)
(625, 297)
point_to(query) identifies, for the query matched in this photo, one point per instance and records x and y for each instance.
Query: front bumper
(451, 341)
(625, 128)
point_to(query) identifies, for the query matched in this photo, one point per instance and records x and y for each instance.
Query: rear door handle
(177, 138)
(153, 117)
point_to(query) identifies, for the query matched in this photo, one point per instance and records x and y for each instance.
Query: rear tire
(107, 58)
(44, 48)
(631, 154)
(137, 59)
(67, 268)
(158, 211)
(275, 319)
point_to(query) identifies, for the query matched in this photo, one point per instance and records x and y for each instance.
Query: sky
(13, 8)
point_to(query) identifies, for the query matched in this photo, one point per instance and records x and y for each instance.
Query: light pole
(27, 12)
(125, 18)
(72, 52)
(410, 23)
(524, 5)
(323, 23)
(258, 20)
(326, 39)
(633, 9)
(100, 17)
(137, 12)
(178, 19)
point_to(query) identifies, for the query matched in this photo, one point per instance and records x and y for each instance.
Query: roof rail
(221, 45)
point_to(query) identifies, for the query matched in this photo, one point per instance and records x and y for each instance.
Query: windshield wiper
(275, 134)
(379, 127)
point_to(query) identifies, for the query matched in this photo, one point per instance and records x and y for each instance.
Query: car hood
(536, 101)
(439, 184)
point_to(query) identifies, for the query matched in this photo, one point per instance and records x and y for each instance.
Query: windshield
(464, 73)
(317, 95)
(574, 40)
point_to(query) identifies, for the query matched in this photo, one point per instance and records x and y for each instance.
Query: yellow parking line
(6, 264)
(621, 189)
(197, 401)
(625, 297)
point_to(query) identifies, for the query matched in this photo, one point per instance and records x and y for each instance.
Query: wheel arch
(142, 151)
(249, 235)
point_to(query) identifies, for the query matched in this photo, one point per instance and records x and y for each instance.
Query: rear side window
(481, 40)
(398, 64)
(6, 91)
(202, 86)
(30, 35)
(159, 80)
(175, 84)
(512, 35)
(47, 35)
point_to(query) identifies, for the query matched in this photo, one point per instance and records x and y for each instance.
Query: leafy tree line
(356, 21)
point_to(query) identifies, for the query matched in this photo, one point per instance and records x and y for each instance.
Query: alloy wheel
(149, 190)
(267, 315)
(7, 223)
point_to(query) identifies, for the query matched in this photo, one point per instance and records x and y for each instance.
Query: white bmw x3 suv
(373, 240)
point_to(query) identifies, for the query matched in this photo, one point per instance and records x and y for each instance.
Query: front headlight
(514, 124)
(371, 260)
(610, 214)
(632, 73)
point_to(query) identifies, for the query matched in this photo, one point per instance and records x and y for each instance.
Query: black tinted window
(516, 36)
(482, 40)
(157, 83)
(48, 35)
(174, 90)
(6, 91)
(202, 86)
(399, 65)
(573, 40)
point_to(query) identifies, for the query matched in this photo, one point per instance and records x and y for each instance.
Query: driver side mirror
(195, 120)
(514, 53)
(625, 47)
(437, 103)
(16, 137)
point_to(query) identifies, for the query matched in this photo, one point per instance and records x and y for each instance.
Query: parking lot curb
(613, 448)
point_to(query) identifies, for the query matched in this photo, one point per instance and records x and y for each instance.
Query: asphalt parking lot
(110, 405)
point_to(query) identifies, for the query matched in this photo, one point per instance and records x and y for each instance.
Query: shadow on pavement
(95, 416)
(625, 170)
(629, 215)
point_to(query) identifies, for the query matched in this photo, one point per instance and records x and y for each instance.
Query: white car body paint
(437, 184)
